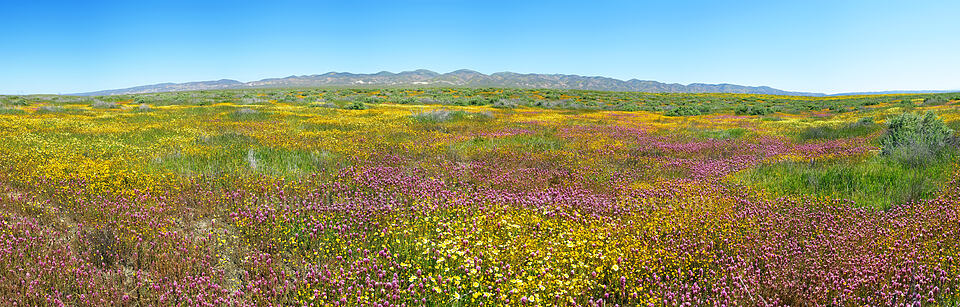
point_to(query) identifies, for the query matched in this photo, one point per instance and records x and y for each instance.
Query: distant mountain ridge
(459, 78)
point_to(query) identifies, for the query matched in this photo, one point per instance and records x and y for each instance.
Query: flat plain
(455, 196)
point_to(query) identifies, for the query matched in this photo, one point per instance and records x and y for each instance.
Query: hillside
(459, 78)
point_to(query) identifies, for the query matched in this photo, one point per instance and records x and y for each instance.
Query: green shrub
(356, 105)
(935, 100)
(838, 108)
(629, 106)
(914, 138)
(252, 100)
(507, 103)
(17, 101)
(368, 99)
(864, 121)
(683, 110)
(472, 101)
(568, 104)
(406, 100)
(752, 110)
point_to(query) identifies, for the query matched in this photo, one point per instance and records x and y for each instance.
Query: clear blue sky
(821, 46)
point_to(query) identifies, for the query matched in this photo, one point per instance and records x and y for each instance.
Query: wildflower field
(469, 197)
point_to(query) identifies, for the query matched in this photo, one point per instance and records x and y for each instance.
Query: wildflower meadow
(478, 197)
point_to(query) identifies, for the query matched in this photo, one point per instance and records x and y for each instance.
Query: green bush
(406, 100)
(914, 138)
(17, 101)
(368, 99)
(356, 105)
(838, 108)
(473, 101)
(507, 103)
(629, 107)
(864, 121)
(683, 110)
(752, 110)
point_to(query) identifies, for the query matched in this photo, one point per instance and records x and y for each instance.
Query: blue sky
(819, 46)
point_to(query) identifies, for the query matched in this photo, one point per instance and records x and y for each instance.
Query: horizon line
(875, 92)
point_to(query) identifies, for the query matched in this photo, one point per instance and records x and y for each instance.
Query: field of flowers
(495, 197)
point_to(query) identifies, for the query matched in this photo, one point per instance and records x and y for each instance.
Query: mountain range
(459, 78)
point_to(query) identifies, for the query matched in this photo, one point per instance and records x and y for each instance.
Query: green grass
(241, 154)
(309, 126)
(292, 164)
(446, 121)
(537, 143)
(11, 111)
(246, 114)
(877, 182)
(59, 110)
(955, 125)
(718, 134)
(438, 116)
(856, 129)
(523, 142)
(205, 111)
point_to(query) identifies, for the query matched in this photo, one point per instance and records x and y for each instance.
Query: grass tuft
(247, 114)
(99, 104)
(443, 115)
(876, 182)
(860, 128)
